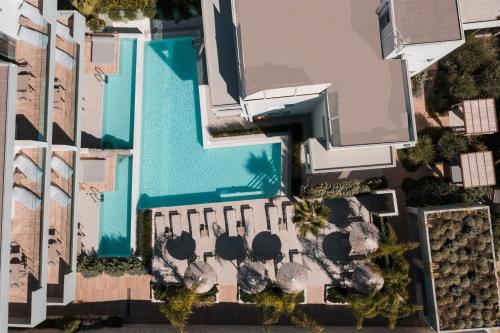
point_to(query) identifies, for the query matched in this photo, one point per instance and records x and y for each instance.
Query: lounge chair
(64, 59)
(231, 222)
(160, 225)
(210, 218)
(194, 221)
(28, 168)
(288, 210)
(24, 82)
(33, 37)
(272, 216)
(59, 196)
(175, 223)
(32, 13)
(25, 197)
(62, 168)
(247, 213)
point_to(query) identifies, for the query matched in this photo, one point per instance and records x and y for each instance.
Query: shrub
(423, 153)
(145, 250)
(450, 146)
(90, 265)
(115, 15)
(96, 24)
(417, 82)
(436, 191)
(344, 189)
(469, 72)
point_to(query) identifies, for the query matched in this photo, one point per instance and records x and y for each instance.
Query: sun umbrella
(266, 246)
(252, 278)
(367, 277)
(292, 277)
(364, 238)
(182, 247)
(200, 276)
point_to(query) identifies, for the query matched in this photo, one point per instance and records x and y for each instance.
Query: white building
(41, 51)
(346, 64)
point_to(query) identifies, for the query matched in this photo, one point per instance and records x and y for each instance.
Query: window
(384, 19)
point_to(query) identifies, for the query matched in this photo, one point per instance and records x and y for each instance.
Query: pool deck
(322, 271)
(89, 205)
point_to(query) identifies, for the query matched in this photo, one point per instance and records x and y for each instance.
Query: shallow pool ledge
(282, 138)
(136, 160)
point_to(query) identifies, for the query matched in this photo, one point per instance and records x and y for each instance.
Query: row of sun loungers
(199, 228)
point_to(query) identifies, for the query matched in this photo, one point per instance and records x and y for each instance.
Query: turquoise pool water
(119, 99)
(114, 213)
(175, 169)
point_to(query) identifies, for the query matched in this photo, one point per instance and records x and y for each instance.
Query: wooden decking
(90, 68)
(26, 227)
(228, 294)
(59, 219)
(31, 106)
(106, 288)
(315, 295)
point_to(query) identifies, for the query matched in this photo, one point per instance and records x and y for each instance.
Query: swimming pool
(119, 100)
(175, 168)
(114, 213)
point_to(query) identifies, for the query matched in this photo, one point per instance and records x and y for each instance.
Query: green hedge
(344, 189)
(436, 191)
(144, 249)
(90, 265)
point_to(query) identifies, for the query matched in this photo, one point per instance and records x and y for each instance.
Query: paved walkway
(105, 288)
(238, 329)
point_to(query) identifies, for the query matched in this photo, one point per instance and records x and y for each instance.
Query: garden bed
(463, 269)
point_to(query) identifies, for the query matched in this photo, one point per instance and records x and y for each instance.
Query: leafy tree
(178, 10)
(423, 153)
(450, 146)
(85, 7)
(178, 306)
(310, 217)
(464, 87)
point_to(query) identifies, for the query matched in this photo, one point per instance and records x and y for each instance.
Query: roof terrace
(60, 226)
(335, 43)
(31, 55)
(25, 257)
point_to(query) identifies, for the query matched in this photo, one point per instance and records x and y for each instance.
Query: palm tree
(366, 306)
(178, 306)
(389, 247)
(310, 216)
(397, 279)
(273, 305)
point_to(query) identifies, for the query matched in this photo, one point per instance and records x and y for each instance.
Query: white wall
(9, 17)
(282, 106)
(421, 56)
(319, 119)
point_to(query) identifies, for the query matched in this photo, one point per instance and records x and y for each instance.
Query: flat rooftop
(474, 11)
(220, 52)
(426, 21)
(335, 42)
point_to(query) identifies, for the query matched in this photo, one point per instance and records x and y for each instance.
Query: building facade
(41, 53)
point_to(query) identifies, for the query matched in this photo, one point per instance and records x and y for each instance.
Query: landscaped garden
(392, 299)
(95, 11)
(463, 269)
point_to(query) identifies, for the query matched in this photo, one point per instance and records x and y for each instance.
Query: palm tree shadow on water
(114, 246)
(266, 170)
